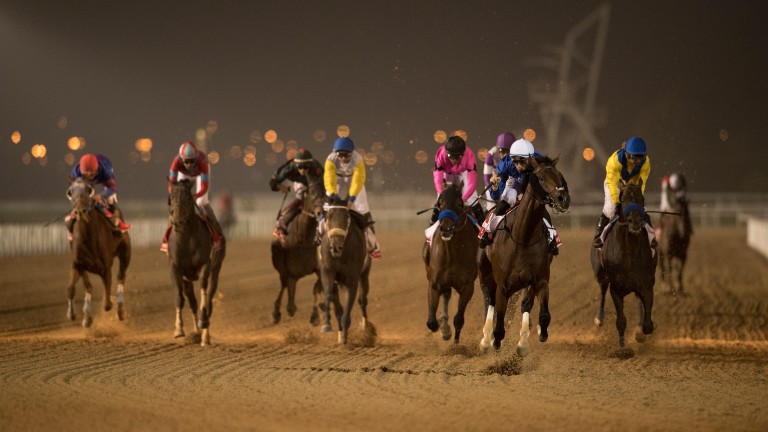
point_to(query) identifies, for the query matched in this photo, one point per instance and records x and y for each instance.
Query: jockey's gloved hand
(333, 197)
(617, 210)
(352, 198)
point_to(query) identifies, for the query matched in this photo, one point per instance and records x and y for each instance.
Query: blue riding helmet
(343, 144)
(635, 146)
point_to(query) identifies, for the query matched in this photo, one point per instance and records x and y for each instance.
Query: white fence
(757, 234)
(256, 216)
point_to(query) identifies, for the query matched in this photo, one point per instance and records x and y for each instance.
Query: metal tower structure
(567, 105)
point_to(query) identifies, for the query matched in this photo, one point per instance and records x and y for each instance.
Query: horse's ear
(533, 162)
(90, 190)
(69, 194)
(555, 160)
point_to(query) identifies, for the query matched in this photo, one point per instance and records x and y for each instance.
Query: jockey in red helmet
(193, 164)
(97, 169)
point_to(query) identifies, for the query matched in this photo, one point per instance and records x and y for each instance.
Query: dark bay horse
(674, 234)
(344, 263)
(626, 264)
(298, 257)
(450, 261)
(519, 256)
(94, 246)
(190, 251)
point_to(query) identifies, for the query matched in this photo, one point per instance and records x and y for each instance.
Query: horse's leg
(346, 319)
(648, 325)
(679, 275)
(445, 329)
(667, 287)
(176, 279)
(363, 300)
(87, 319)
(544, 316)
(465, 295)
(290, 306)
(206, 306)
(338, 309)
(433, 298)
(501, 309)
(189, 292)
(276, 315)
(210, 296)
(621, 320)
(107, 281)
(488, 286)
(639, 335)
(600, 317)
(317, 294)
(328, 284)
(74, 276)
(523, 346)
(124, 258)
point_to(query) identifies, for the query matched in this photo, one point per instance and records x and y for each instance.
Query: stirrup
(597, 244)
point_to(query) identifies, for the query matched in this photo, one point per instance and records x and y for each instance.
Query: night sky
(675, 73)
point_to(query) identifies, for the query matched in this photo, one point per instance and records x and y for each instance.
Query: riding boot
(435, 215)
(370, 236)
(601, 223)
(216, 232)
(551, 234)
(501, 208)
(485, 234)
(286, 217)
(69, 222)
(478, 212)
(647, 220)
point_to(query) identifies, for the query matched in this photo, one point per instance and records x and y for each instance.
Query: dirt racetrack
(704, 369)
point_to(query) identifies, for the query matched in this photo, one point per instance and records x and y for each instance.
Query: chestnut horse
(94, 246)
(627, 264)
(519, 256)
(674, 235)
(298, 257)
(190, 251)
(344, 263)
(450, 261)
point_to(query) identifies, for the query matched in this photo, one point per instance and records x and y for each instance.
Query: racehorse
(450, 261)
(627, 264)
(298, 257)
(519, 256)
(344, 263)
(674, 235)
(190, 251)
(94, 246)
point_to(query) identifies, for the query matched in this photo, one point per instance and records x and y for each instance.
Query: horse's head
(549, 185)
(632, 206)
(315, 197)
(451, 206)
(81, 195)
(181, 202)
(337, 220)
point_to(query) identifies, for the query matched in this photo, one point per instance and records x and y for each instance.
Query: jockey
(512, 175)
(193, 164)
(97, 169)
(345, 176)
(672, 191)
(503, 143)
(293, 174)
(630, 164)
(455, 164)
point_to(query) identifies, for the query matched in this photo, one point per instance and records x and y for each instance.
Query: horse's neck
(529, 215)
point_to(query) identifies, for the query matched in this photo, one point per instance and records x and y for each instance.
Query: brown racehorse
(95, 244)
(298, 257)
(450, 262)
(190, 251)
(626, 264)
(344, 263)
(674, 235)
(519, 256)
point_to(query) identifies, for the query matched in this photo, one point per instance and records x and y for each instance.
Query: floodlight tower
(567, 106)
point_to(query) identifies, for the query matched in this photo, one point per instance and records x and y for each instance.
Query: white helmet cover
(521, 147)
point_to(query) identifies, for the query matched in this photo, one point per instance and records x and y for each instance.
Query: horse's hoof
(523, 351)
(178, 333)
(314, 319)
(326, 328)
(639, 337)
(496, 345)
(276, 317)
(292, 311)
(87, 321)
(205, 339)
(120, 312)
(107, 306)
(71, 316)
(447, 336)
(598, 322)
(432, 326)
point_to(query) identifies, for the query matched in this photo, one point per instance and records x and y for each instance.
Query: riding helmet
(302, 156)
(89, 163)
(188, 150)
(635, 146)
(343, 144)
(455, 146)
(521, 147)
(505, 140)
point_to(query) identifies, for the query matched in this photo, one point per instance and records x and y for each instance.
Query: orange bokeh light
(342, 131)
(530, 135)
(588, 154)
(270, 136)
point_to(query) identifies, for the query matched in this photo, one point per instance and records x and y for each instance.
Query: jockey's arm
(358, 179)
(329, 177)
(613, 176)
(645, 172)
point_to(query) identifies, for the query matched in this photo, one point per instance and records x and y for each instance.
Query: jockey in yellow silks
(344, 177)
(629, 165)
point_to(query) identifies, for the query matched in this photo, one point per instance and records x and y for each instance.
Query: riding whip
(56, 218)
(663, 212)
(285, 195)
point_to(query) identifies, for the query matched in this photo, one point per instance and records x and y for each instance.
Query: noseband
(339, 231)
(541, 195)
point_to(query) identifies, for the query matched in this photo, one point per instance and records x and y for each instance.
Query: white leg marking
(487, 339)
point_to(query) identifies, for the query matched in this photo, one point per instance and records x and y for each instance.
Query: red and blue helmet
(188, 151)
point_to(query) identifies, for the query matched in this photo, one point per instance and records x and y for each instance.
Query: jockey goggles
(344, 154)
(519, 160)
(189, 161)
(303, 165)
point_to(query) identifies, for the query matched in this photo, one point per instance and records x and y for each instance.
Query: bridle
(541, 195)
(336, 231)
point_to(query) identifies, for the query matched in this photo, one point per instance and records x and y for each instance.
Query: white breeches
(361, 202)
(451, 179)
